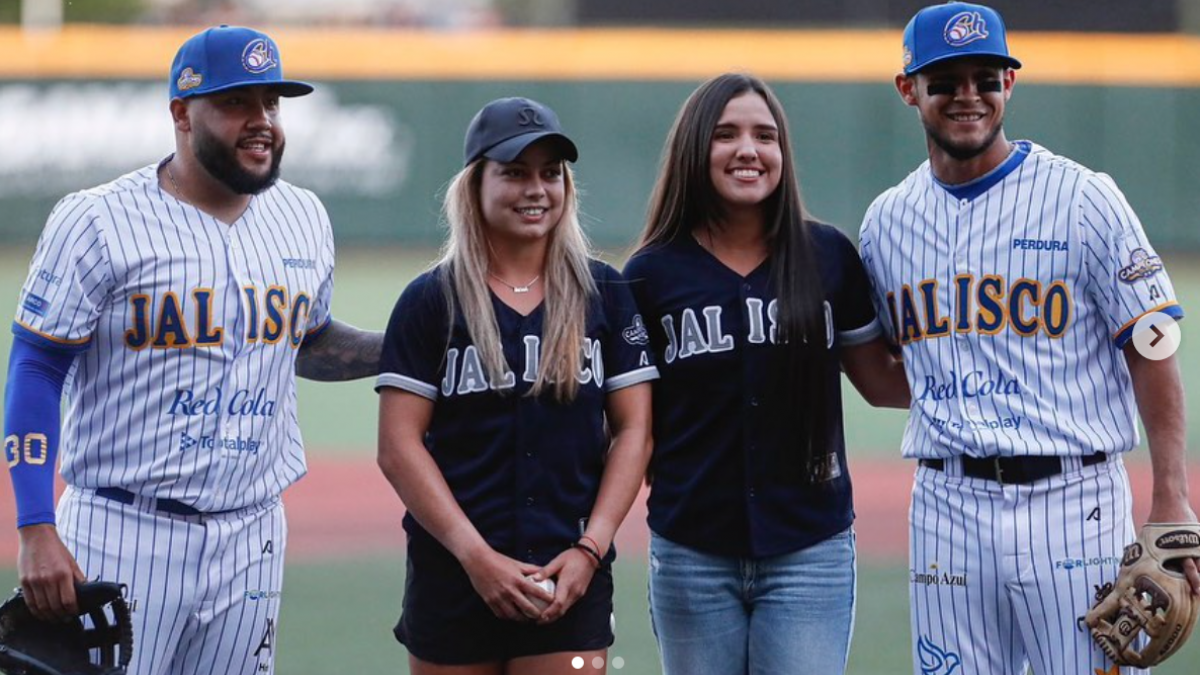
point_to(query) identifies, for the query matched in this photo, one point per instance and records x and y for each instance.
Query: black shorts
(445, 622)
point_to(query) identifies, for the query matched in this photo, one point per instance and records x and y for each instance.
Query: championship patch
(1142, 265)
(636, 334)
(964, 28)
(189, 79)
(258, 57)
(35, 304)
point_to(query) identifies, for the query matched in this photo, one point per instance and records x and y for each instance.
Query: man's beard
(221, 163)
(961, 152)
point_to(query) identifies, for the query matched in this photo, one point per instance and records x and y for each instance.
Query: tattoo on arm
(340, 352)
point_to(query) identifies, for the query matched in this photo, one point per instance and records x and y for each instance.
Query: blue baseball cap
(505, 127)
(227, 57)
(955, 30)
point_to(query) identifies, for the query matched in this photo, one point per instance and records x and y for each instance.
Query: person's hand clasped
(573, 569)
(501, 582)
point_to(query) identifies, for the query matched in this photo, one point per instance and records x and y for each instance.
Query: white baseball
(546, 585)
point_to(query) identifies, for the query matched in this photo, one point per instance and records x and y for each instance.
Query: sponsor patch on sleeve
(35, 304)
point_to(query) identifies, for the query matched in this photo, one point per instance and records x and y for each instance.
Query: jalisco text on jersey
(692, 338)
(468, 375)
(987, 306)
(270, 317)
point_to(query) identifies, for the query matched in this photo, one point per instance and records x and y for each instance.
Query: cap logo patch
(189, 80)
(527, 116)
(258, 57)
(964, 28)
(908, 57)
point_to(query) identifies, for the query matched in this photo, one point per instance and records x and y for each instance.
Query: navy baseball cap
(227, 57)
(954, 30)
(506, 126)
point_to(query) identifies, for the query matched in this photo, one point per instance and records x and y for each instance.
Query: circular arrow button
(1156, 336)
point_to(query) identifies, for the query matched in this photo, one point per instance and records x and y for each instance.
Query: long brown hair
(569, 286)
(685, 199)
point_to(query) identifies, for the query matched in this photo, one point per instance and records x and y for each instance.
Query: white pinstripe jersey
(1012, 297)
(187, 331)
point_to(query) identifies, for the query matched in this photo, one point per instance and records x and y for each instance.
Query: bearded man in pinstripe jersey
(175, 305)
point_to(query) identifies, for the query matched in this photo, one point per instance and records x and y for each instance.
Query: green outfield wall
(379, 153)
(383, 134)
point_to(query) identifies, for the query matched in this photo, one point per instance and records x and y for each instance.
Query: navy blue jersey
(526, 470)
(720, 414)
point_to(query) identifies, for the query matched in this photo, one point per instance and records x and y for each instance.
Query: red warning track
(346, 509)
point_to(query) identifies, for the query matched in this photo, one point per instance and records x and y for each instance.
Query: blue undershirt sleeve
(32, 417)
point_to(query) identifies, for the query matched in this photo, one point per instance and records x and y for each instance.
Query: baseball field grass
(345, 571)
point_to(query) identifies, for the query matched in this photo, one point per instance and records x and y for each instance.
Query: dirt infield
(345, 509)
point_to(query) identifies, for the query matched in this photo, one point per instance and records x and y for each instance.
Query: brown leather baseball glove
(1151, 596)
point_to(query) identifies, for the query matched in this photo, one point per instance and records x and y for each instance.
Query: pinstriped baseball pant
(999, 574)
(205, 589)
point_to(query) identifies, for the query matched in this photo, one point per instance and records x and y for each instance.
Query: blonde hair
(567, 284)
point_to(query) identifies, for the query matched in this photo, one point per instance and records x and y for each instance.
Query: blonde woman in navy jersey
(501, 367)
(753, 310)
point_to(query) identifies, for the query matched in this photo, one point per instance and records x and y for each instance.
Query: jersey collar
(692, 245)
(972, 189)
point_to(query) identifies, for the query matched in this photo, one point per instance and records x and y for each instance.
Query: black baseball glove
(30, 646)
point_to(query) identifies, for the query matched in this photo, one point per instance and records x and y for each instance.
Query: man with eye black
(1013, 280)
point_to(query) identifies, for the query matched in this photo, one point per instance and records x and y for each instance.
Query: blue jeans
(716, 615)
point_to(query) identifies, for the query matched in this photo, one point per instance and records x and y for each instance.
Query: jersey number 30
(34, 450)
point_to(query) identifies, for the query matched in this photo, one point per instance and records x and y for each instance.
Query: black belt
(1012, 470)
(165, 505)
